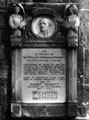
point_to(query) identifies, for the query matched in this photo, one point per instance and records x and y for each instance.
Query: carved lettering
(43, 75)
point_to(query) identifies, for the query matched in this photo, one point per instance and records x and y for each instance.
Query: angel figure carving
(72, 24)
(16, 19)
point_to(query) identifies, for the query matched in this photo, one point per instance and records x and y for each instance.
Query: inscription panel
(43, 75)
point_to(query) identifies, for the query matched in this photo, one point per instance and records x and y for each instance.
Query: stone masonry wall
(5, 64)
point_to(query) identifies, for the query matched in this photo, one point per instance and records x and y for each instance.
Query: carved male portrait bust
(43, 27)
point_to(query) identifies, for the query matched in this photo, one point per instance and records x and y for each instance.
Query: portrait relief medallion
(43, 27)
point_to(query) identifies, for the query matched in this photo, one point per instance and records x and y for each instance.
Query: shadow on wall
(57, 1)
(6, 2)
(51, 1)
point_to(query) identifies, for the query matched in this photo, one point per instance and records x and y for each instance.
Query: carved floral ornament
(45, 26)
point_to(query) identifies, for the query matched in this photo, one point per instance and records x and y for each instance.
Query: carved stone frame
(67, 109)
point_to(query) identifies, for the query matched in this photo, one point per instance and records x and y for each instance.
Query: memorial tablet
(43, 75)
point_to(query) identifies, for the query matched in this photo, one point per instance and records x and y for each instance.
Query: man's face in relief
(44, 23)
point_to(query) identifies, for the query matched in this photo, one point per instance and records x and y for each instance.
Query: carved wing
(84, 25)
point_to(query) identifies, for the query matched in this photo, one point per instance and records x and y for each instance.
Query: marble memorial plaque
(43, 75)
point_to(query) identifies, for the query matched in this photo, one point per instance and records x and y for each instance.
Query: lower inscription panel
(43, 75)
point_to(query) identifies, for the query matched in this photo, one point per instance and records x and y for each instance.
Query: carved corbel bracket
(16, 41)
(72, 39)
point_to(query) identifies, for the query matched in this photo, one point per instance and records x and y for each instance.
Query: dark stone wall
(7, 2)
(5, 64)
(5, 61)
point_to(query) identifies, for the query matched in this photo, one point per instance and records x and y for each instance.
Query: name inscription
(43, 75)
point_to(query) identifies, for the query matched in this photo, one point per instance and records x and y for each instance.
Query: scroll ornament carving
(72, 23)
